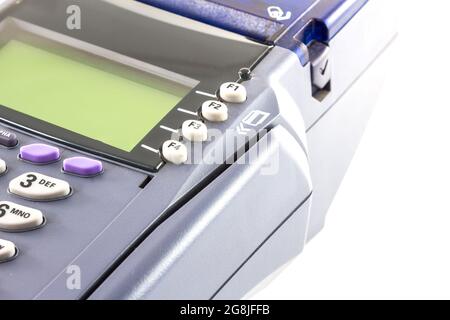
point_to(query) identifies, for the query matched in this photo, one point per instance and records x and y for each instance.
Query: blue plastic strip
(221, 16)
(287, 23)
(284, 12)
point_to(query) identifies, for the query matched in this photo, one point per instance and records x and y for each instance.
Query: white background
(388, 231)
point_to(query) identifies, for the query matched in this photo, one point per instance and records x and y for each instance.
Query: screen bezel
(210, 71)
(98, 58)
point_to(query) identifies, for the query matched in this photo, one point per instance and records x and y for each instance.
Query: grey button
(8, 139)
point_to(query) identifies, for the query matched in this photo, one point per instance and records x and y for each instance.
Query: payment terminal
(165, 149)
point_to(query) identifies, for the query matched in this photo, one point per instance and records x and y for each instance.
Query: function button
(82, 166)
(8, 139)
(15, 218)
(194, 130)
(7, 250)
(233, 92)
(214, 111)
(3, 167)
(39, 153)
(175, 152)
(38, 187)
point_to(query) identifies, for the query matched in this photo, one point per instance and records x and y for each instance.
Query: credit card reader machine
(174, 149)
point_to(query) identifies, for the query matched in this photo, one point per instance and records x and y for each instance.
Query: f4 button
(174, 152)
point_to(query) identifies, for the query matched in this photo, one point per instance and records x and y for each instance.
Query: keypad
(33, 187)
(196, 130)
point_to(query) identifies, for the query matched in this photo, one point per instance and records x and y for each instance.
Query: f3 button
(38, 187)
(195, 131)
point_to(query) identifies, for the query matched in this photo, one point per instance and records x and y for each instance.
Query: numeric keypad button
(7, 250)
(15, 218)
(3, 167)
(39, 187)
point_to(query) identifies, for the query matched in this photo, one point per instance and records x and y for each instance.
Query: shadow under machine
(174, 149)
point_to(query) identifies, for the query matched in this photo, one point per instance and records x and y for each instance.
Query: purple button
(39, 153)
(82, 166)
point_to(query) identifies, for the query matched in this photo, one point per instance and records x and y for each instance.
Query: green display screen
(82, 97)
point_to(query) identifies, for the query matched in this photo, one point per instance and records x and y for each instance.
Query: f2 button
(214, 111)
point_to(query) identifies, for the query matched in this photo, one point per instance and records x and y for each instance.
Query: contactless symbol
(255, 118)
(242, 130)
(252, 120)
(278, 14)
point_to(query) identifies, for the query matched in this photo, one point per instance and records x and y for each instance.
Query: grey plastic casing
(208, 231)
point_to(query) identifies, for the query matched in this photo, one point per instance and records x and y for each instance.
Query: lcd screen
(82, 97)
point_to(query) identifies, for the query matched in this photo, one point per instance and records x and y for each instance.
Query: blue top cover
(282, 22)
